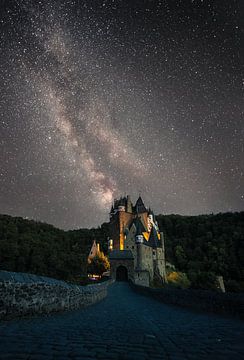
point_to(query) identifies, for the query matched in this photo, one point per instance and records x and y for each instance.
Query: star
(99, 100)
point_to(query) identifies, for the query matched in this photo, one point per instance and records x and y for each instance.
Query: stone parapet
(203, 300)
(26, 294)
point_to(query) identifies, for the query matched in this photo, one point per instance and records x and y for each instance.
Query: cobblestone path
(125, 325)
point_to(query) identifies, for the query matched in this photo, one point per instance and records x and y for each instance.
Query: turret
(150, 220)
(121, 208)
(139, 241)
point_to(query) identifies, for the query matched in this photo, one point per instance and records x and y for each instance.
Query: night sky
(105, 98)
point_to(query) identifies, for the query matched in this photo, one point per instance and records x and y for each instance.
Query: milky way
(104, 98)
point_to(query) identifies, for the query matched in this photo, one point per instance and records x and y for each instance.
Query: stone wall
(142, 278)
(25, 294)
(204, 300)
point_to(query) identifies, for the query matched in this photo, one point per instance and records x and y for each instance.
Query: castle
(136, 247)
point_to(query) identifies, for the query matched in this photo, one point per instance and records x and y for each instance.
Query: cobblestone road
(125, 325)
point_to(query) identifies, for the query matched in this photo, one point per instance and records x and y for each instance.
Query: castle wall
(142, 278)
(161, 262)
(161, 257)
(147, 259)
(129, 243)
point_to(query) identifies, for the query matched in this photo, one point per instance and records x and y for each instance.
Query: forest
(42, 249)
(206, 246)
(202, 247)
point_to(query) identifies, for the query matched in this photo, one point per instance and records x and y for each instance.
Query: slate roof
(121, 254)
(153, 240)
(140, 228)
(139, 206)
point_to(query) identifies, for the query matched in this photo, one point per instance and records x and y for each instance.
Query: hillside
(206, 245)
(202, 246)
(39, 248)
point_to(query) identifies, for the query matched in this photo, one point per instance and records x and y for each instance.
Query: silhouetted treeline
(205, 246)
(39, 248)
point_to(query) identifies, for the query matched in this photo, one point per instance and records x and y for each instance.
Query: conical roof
(153, 240)
(139, 206)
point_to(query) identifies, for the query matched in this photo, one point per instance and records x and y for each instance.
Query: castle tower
(120, 218)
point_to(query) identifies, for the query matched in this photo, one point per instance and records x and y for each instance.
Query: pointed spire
(140, 207)
(153, 240)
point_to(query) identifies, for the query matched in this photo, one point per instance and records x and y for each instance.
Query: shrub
(178, 279)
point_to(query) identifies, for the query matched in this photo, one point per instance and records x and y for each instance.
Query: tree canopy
(206, 246)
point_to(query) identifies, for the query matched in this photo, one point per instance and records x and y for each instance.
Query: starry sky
(105, 98)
